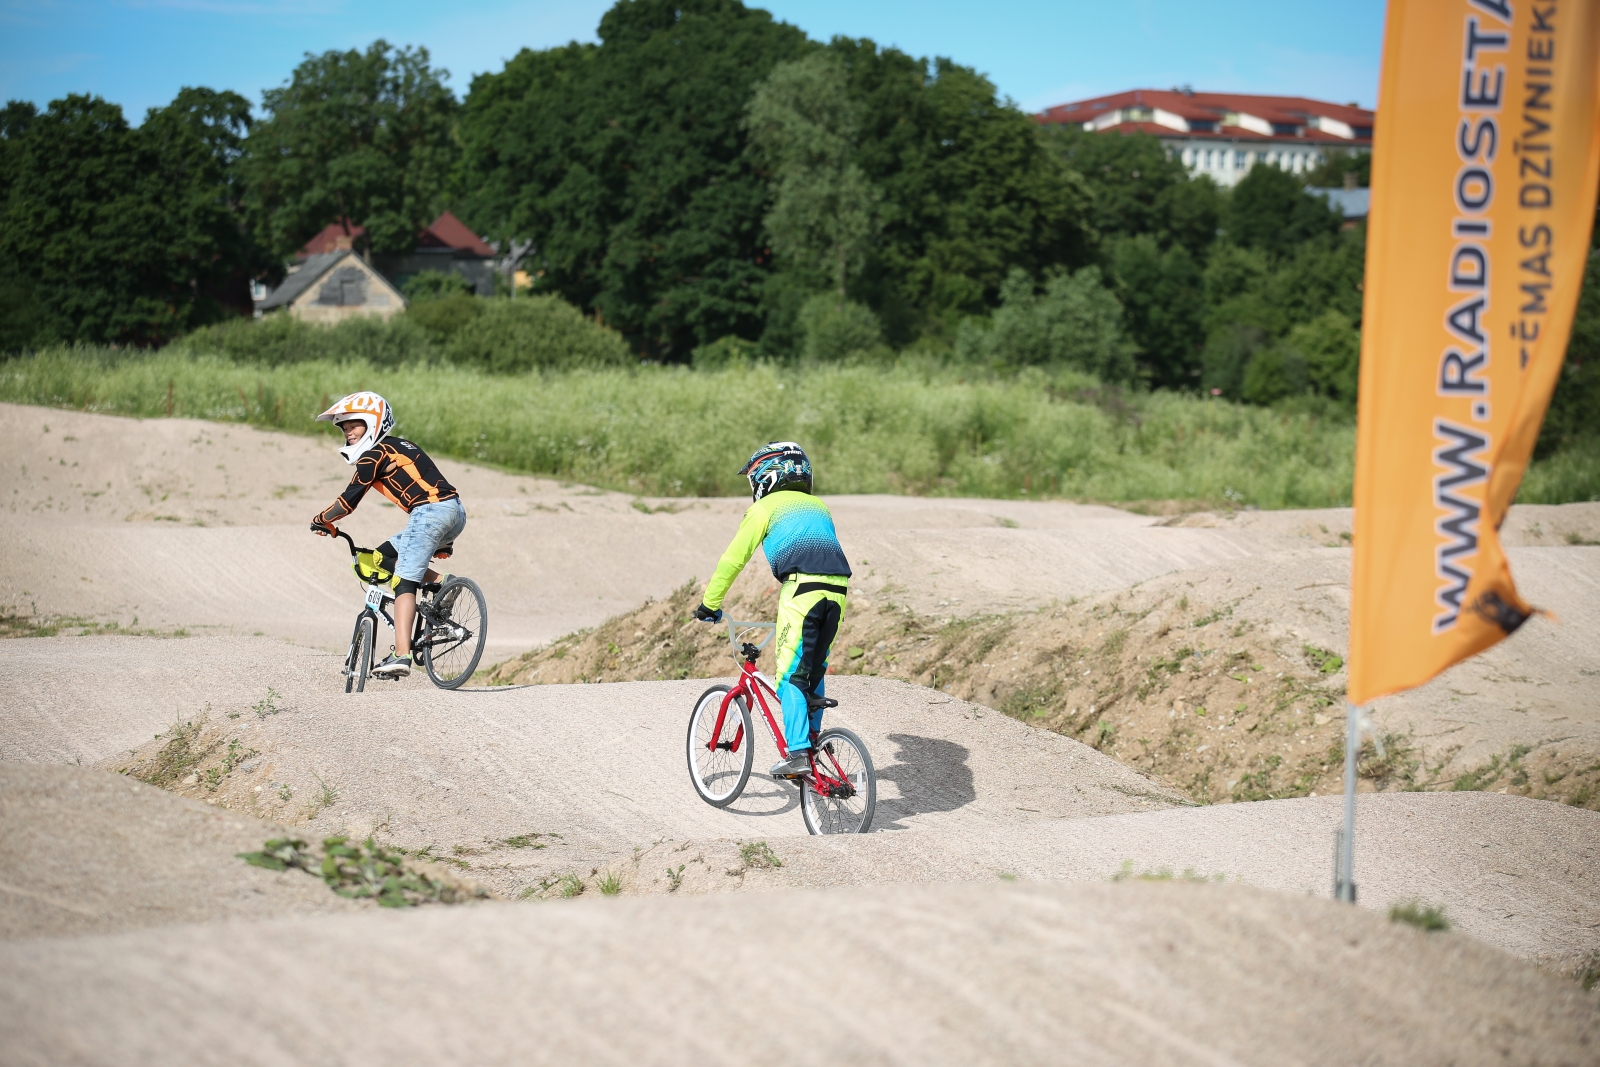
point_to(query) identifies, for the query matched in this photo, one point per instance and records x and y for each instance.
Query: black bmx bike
(451, 625)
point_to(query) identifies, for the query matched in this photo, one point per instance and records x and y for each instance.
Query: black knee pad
(404, 586)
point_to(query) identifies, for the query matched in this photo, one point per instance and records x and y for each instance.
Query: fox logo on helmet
(778, 465)
(369, 408)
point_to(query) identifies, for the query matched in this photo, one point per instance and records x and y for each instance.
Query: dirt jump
(1102, 740)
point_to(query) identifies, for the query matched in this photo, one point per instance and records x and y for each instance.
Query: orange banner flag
(1483, 194)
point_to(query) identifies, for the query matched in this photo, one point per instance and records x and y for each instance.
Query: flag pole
(1344, 886)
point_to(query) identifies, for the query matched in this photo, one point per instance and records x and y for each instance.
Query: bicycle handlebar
(349, 541)
(735, 628)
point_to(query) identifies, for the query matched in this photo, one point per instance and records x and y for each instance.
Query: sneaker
(393, 667)
(799, 762)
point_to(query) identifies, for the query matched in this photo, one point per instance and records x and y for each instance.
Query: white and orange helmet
(371, 409)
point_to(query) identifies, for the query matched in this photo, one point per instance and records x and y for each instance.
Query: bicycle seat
(816, 703)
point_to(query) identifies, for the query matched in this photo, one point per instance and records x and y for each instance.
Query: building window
(1239, 159)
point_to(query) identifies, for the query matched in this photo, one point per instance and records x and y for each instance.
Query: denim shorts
(430, 526)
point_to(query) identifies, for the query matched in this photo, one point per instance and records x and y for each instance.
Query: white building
(1223, 135)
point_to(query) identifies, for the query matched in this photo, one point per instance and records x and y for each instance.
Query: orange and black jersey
(400, 471)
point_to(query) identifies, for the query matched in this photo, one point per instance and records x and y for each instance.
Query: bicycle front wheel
(358, 660)
(720, 757)
(849, 793)
(453, 640)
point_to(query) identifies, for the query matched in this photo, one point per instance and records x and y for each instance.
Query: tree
(803, 126)
(1139, 189)
(1075, 322)
(195, 144)
(1269, 209)
(1333, 171)
(1164, 296)
(969, 193)
(627, 163)
(20, 316)
(363, 137)
(111, 234)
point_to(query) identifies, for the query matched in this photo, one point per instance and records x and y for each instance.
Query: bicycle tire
(450, 659)
(719, 774)
(841, 815)
(358, 658)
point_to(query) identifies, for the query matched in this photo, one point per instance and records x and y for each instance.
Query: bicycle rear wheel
(454, 638)
(851, 786)
(720, 760)
(358, 660)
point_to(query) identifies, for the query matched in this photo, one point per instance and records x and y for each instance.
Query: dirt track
(200, 528)
(983, 974)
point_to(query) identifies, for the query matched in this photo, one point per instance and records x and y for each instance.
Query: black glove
(323, 527)
(705, 614)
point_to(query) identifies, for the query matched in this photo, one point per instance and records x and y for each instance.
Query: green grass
(910, 427)
(759, 854)
(1424, 917)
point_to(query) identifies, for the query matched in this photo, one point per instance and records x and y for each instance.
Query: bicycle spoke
(839, 796)
(719, 760)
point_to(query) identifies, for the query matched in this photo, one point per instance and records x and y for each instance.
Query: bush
(1330, 347)
(724, 352)
(1274, 373)
(427, 285)
(502, 336)
(1076, 322)
(836, 329)
(537, 331)
(444, 316)
(278, 339)
(1228, 352)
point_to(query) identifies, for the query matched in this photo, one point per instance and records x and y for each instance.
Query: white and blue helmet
(778, 465)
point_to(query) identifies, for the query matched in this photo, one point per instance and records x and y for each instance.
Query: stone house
(333, 286)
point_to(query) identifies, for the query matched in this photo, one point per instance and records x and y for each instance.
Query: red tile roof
(327, 238)
(1210, 107)
(1229, 133)
(447, 231)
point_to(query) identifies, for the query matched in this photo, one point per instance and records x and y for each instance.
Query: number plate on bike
(375, 596)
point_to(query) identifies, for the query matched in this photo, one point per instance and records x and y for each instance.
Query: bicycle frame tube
(751, 683)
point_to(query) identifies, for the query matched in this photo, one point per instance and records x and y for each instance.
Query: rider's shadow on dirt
(930, 775)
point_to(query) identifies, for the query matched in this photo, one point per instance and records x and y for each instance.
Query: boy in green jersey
(795, 531)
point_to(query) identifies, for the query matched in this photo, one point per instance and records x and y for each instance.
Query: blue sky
(138, 53)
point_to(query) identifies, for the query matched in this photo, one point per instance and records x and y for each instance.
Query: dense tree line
(703, 179)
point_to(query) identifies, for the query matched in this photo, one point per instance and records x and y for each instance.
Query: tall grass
(673, 431)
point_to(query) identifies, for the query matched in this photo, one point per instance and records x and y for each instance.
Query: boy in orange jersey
(407, 476)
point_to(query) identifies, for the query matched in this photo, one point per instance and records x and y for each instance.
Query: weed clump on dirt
(1126, 873)
(1424, 917)
(758, 855)
(18, 625)
(363, 871)
(178, 758)
(1586, 971)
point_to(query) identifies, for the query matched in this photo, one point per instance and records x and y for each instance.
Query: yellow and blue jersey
(794, 530)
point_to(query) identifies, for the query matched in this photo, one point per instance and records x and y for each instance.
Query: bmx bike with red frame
(838, 793)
